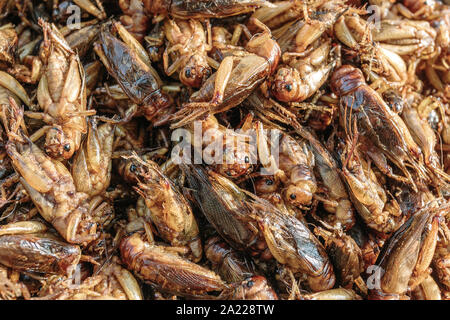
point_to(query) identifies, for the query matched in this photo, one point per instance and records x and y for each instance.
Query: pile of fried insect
(328, 122)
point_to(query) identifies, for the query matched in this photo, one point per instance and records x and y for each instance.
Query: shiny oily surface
(224, 150)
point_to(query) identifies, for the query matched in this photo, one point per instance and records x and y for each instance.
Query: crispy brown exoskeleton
(236, 78)
(307, 66)
(187, 9)
(140, 82)
(61, 95)
(189, 48)
(338, 200)
(156, 265)
(406, 37)
(223, 204)
(368, 196)
(168, 209)
(294, 245)
(81, 40)
(39, 254)
(11, 288)
(296, 163)
(407, 254)
(377, 62)
(91, 167)
(441, 263)
(301, 78)
(380, 126)
(228, 152)
(345, 255)
(48, 183)
(427, 290)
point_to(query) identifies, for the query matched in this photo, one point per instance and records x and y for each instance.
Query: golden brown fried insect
(370, 250)
(154, 42)
(407, 254)
(167, 207)
(380, 126)
(81, 40)
(129, 136)
(92, 164)
(93, 75)
(406, 37)
(189, 48)
(223, 204)
(284, 12)
(9, 187)
(345, 255)
(294, 245)
(281, 14)
(35, 252)
(228, 152)
(238, 75)
(297, 163)
(423, 135)
(62, 97)
(94, 9)
(368, 197)
(409, 200)
(306, 66)
(302, 113)
(295, 171)
(131, 68)
(441, 263)
(27, 66)
(302, 76)
(224, 42)
(337, 200)
(378, 62)
(166, 270)
(436, 68)
(220, 37)
(48, 183)
(8, 44)
(11, 88)
(102, 211)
